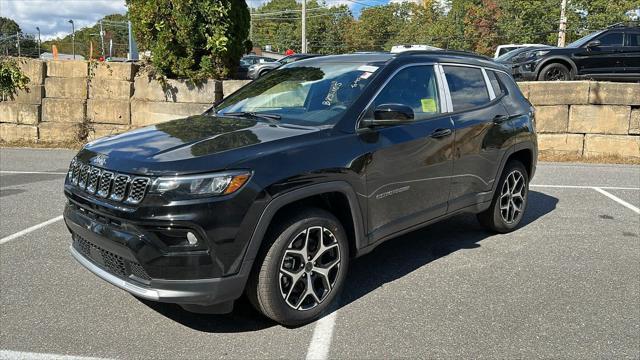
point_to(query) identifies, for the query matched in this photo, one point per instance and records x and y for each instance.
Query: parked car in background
(248, 60)
(273, 191)
(396, 49)
(609, 54)
(504, 49)
(261, 68)
(508, 59)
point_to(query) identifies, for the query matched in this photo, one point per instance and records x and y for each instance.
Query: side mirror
(592, 44)
(390, 114)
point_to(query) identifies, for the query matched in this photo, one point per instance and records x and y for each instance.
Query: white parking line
(617, 199)
(32, 172)
(21, 355)
(28, 230)
(322, 335)
(585, 187)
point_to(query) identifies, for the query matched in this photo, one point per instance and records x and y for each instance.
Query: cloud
(52, 15)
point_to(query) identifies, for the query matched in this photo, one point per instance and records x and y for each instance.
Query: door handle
(440, 133)
(499, 119)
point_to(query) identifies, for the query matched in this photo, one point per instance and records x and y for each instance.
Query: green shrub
(194, 39)
(11, 78)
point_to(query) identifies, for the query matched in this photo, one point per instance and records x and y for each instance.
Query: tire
(498, 219)
(278, 286)
(555, 72)
(262, 73)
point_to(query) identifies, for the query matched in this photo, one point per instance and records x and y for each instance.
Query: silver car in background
(259, 69)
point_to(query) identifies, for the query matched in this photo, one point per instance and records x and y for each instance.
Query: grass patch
(599, 159)
(69, 144)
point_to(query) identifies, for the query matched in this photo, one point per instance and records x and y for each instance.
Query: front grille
(114, 264)
(106, 184)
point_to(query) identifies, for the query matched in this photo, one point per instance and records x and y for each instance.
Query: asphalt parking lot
(565, 285)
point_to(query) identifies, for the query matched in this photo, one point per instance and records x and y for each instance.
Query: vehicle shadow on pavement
(390, 261)
(244, 317)
(398, 257)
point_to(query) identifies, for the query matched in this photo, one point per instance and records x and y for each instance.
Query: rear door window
(467, 86)
(633, 39)
(498, 88)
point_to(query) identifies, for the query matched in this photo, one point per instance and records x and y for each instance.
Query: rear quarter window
(467, 87)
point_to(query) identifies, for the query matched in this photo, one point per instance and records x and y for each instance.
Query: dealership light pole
(562, 32)
(73, 38)
(38, 28)
(304, 26)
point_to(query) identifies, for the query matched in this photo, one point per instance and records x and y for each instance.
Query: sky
(52, 15)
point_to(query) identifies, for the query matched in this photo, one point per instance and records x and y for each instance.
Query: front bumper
(198, 292)
(524, 72)
(121, 254)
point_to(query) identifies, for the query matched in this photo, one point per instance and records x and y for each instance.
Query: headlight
(195, 186)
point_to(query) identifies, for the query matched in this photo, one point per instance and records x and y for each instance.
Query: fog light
(191, 238)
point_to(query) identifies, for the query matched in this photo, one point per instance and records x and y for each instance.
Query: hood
(181, 145)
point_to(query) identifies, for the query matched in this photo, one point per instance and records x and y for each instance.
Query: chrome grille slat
(137, 188)
(106, 184)
(84, 174)
(93, 179)
(119, 187)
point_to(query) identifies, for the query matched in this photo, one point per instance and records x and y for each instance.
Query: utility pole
(304, 26)
(73, 38)
(39, 41)
(18, 42)
(102, 37)
(562, 32)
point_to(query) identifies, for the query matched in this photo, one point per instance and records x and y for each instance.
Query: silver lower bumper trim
(136, 290)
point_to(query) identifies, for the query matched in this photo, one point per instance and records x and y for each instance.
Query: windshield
(307, 93)
(511, 54)
(584, 40)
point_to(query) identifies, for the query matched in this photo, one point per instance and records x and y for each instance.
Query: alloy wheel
(555, 74)
(309, 268)
(512, 197)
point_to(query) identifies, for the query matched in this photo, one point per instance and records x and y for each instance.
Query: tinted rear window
(495, 83)
(467, 86)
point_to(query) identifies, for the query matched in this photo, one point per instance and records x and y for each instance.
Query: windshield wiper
(272, 118)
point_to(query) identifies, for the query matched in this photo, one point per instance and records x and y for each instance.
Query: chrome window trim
(445, 88)
(487, 84)
(441, 100)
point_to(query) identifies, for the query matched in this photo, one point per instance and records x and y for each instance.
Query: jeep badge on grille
(100, 160)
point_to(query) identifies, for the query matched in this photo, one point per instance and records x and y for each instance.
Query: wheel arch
(524, 152)
(564, 60)
(347, 210)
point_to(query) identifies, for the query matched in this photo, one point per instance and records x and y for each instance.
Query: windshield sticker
(335, 86)
(368, 68)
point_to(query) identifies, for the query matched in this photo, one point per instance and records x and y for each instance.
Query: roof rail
(629, 23)
(442, 52)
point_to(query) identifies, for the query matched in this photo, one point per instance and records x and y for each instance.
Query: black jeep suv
(610, 54)
(274, 190)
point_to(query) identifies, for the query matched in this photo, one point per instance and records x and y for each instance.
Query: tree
(8, 27)
(192, 39)
(10, 34)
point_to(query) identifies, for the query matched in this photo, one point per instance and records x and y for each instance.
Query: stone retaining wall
(586, 118)
(581, 118)
(66, 97)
